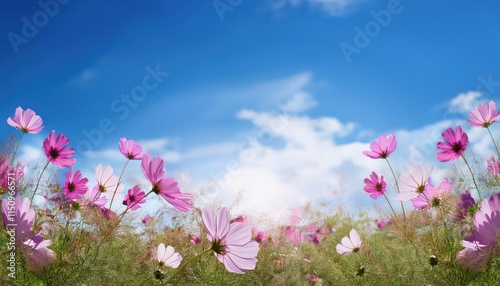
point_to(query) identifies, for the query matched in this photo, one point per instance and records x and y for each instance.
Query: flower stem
(472, 174)
(179, 270)
(118, 184)
(397, 188)
(390, 205)
(15, 150)
(494, 143)
(38, 182)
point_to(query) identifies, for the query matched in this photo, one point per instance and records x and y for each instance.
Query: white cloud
(300, 102)
(464, 102)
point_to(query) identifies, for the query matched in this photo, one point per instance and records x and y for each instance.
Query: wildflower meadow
(61, 227)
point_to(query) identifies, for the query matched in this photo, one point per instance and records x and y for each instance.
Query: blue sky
(218, 73)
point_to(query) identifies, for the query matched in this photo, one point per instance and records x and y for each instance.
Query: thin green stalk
(397, 187)
(118, 184)
(473, 178)
(38, 182)
(390, 206)
(179, 270)
(494, 143)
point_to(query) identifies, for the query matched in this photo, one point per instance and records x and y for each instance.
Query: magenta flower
(465, 206)
(375, 186)
(146, 219)
(382, 148)
(413, 182)
(484, 115)
(56, 152)
(26, 121)
(195, 239)
(382, 223)
(134, 198)
(350, 244)
(130, 149)
(454, 145)
(432, 196)
(15, 173)
(75, 186)
(167, 256)
(232, 243)
(168, 188)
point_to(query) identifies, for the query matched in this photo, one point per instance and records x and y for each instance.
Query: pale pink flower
(167, 256)
(232, 243)
(375, 186)
(382, 148)
(130, 149)
(453, 146)
(168, 188)
(484, 115)
(75, 186)
(93, 198)
(56, 152)
(493, 166)
(19, 215)
(37, 254)
(292, 234)
(26, 121)
(350, 244)
(484, 240)
(134, 198)
(106, 181)
(413, 183)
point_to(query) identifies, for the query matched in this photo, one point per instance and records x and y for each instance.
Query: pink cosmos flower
(464, 207)
(56, 152)
(93, 198)
(259, 235)
(168, 256)
(130, 149)
(413, 182)
(292, 234)
(146, 219)
(350, 244)
(382, 223)
(168, 188)
(106, 181)
(493, 166)
(454, 145)
(484, 115)
(375, 186)
(19, 217)
(232, 243)
(37, 254)
(239, 218)
(26, 121)
(134, 198)
(483, 241)
(382, 148)
(196, 239)
(75, 186)
(432, 196)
